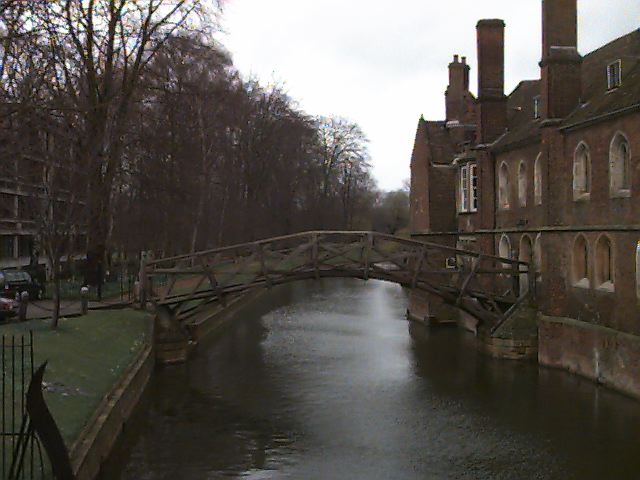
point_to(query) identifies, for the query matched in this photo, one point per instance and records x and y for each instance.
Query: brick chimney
(492, 103)
(561, 63)
(458, 89)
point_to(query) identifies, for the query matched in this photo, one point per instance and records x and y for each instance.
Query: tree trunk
(55, 315)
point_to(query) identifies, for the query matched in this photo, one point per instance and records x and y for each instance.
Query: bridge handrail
(406, 241)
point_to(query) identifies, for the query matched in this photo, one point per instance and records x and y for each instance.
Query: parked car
(14, 282)
(8, 309)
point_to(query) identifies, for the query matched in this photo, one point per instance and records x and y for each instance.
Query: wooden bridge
(484, 286)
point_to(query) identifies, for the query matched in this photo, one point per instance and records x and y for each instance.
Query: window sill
(581, 196)
(582, 283)
(624, 193)
(607, 287)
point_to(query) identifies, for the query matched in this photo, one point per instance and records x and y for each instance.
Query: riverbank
(88, 358)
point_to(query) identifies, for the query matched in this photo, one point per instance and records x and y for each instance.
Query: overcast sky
(382, 64)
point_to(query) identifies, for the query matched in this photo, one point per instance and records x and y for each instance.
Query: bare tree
(99, 50)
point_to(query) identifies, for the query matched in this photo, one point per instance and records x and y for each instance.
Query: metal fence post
(84, 300)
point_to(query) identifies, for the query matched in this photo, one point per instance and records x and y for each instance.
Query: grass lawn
(86, 357)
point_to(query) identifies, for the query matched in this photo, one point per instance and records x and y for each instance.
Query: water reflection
(328, 380)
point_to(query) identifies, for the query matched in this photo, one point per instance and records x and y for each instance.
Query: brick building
(548, 174)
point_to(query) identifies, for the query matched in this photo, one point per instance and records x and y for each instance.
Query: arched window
(537, 257)
(580, 262)
(619, 166)
(604, 263)
(522, 184)
(525, 255)
(503, 186)
(504, 250)
(581, 172)
(537, 180)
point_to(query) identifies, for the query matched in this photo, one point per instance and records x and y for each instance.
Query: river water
(328, 380)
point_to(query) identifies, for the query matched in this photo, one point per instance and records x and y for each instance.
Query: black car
(14, 282)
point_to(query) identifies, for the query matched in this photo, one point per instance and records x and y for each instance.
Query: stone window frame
(537, 256)
(580, 262)
(614, 74)
(522, 184)
(524, 277)
(537, 180)
(619, 175)
(581, 186)
(604, 256)
(504, 187)
(506, 241)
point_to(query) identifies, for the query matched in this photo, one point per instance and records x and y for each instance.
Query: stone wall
(598, 353)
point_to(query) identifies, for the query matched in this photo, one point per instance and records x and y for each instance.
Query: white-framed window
(614, 74)
(503, 187)
(581, 172)
(536, 107)
(468, 188)
(464, 188)
(473, 185)
(537, 180)
(522, 184)
(619, 166)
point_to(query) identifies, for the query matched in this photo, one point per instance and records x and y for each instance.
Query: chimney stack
(561, 63)
(492, 103)
(458, 89)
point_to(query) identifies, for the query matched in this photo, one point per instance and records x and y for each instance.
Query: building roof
(597, 100)
(442, 146)
(521, 122)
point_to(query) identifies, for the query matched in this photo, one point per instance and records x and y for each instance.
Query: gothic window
(604, 263)
(580, 262)
(522, 184)
(537, 180)
(503, 186)
(619, 167)
(537, 257)
(504, 248)
(581, 172)
(526, 255)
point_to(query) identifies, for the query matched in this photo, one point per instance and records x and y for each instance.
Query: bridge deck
(484, 286)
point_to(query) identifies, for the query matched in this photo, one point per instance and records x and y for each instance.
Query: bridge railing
(483, 285)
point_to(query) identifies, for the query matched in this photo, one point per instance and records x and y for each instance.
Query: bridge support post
(143, 280)
(171, 340)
